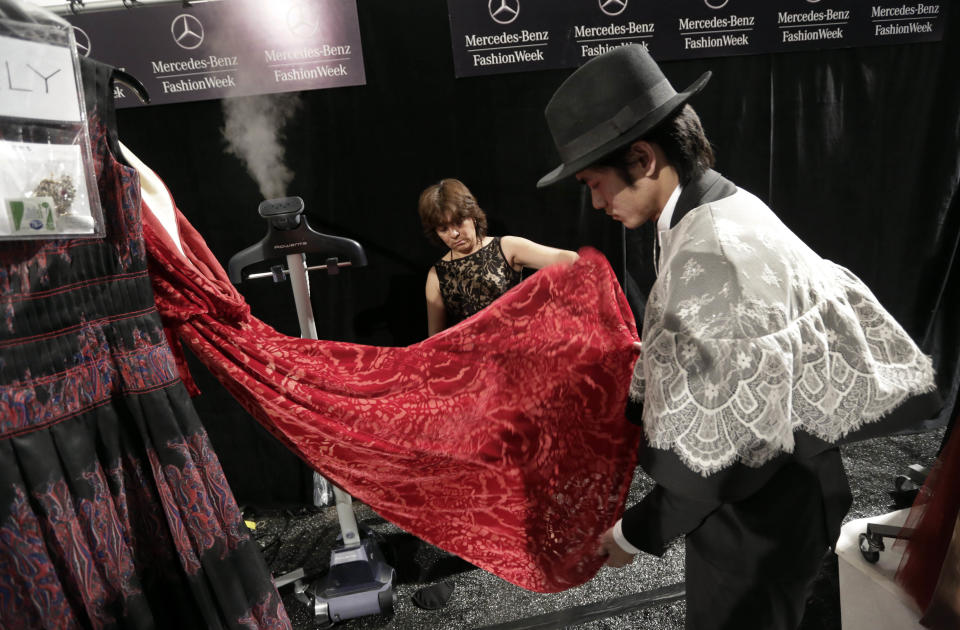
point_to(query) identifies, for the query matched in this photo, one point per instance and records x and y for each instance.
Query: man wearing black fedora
(758, 356)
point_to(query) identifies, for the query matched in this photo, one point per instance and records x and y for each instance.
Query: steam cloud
(253, 130)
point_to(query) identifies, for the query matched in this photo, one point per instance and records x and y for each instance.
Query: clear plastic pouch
(47, 181)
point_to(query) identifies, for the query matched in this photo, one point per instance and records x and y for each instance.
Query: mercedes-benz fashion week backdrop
(856, 149)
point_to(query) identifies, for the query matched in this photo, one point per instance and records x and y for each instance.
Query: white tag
(37, 81)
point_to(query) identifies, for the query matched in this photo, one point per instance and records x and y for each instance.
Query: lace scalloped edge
(706, 469)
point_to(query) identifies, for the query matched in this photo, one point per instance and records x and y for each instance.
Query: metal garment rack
(77, 7)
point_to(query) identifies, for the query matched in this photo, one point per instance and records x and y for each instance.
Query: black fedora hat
(608, 102)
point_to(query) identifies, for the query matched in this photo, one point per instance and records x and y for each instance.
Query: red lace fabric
(930, 568)
(501, 440)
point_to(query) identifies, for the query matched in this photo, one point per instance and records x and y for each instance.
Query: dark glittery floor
(303, 537)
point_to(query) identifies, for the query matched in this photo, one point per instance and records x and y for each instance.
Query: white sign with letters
(37, 81)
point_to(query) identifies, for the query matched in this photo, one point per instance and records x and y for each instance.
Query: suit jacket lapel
(710, 186)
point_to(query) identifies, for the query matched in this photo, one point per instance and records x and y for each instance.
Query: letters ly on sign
(37, 81)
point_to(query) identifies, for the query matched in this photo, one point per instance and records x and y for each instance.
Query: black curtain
(856, 149)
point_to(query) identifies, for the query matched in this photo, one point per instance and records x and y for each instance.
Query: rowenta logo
(289, 245)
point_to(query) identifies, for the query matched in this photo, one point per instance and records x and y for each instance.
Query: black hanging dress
(114, 511)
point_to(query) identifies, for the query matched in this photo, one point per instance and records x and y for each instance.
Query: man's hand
(616, 557)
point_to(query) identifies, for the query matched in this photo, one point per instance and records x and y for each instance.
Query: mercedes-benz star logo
(504, 11)
(613, 7)
(302, 20)
(82, 40)
(187, 31)
(716, 4)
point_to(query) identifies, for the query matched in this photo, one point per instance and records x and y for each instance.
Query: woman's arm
(436, 313)
(521, 252)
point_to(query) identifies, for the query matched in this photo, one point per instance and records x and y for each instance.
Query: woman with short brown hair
(477, 268)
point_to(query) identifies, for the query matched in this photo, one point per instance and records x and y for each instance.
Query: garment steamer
(359, 581)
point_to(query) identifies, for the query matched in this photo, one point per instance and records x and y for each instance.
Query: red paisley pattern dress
(501, 439)
(114, 511)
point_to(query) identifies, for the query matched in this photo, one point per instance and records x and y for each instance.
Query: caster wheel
(868, 550)
(902, 483)
(386, 602)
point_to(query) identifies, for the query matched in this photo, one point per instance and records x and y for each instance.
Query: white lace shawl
(748, 336)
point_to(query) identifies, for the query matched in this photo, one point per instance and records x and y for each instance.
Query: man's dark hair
(683, 141)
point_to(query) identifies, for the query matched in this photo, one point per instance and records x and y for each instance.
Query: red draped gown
(501, 439)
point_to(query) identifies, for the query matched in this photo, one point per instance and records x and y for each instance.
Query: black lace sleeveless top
(470, 283)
